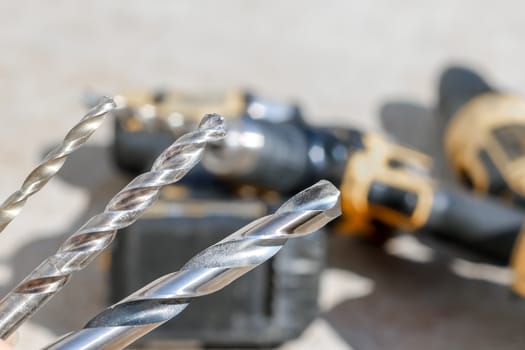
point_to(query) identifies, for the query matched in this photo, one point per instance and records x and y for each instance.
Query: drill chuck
(258, 152)
(282, 157)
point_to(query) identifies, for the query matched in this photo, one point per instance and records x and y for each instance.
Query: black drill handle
(457, 86)
(483, 224)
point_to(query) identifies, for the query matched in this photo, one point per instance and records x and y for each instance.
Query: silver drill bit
(99, 231)
(54, 160)
(207, 272)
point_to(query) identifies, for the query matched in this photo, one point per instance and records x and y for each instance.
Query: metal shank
(54, 161)
(99, 231)
(207, 272)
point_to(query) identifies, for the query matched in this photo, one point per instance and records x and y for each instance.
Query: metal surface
(270, 305)
(54, 160)
(98, 232)
(209, 271)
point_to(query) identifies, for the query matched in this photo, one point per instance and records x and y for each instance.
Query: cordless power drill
(484, 135)
(384, 186)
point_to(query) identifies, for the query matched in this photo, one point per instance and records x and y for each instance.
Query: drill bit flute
(207, 272)
(98, 232)
(54, 160)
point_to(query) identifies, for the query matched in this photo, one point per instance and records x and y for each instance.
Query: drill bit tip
(213, 121)
(322, 196)
(214, 125)
(105, 104)
(321, 202)
(211, 129)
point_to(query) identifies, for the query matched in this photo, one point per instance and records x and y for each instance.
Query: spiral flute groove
(54, 161)
(99, 231)
(207, 272)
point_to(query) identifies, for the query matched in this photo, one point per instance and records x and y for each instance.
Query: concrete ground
(371, 64)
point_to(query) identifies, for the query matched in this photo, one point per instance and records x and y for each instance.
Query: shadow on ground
(419, 127)
(421, 305)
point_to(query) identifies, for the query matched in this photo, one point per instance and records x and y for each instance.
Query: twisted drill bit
(99, 231)
(54, 160)
(208, 272)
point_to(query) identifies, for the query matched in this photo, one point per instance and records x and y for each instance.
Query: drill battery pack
(272, 304)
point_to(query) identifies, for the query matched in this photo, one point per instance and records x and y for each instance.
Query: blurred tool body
(207, 272)
(392, 184)
(485, 134)
(383, 184)
(388, 186)
(272, 304)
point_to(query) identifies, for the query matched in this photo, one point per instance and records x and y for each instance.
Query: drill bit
(207, 272)
(54, 160)
(99, 231)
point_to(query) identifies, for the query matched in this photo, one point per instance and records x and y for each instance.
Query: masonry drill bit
(54, 160)
(207, 272)
(99, 231)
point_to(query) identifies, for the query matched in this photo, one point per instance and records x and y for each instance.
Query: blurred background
(373, 65)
